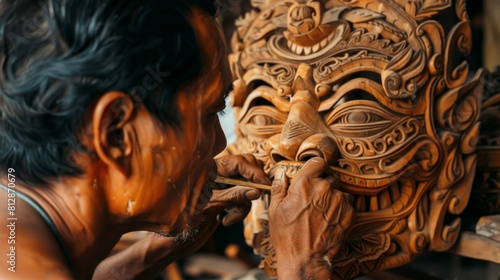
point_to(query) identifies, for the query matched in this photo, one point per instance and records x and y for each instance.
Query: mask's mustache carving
(289, 167)
(371, 181)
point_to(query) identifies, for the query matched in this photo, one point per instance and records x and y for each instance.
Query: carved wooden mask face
(377, 88)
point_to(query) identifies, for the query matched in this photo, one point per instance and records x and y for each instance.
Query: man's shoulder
(28, 244)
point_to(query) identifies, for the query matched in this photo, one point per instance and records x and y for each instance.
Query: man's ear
(112, 130)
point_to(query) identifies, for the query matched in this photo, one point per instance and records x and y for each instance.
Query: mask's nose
(305, 134)
(316, 145)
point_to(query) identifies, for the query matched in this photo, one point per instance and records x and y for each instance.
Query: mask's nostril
(309, 154)
(317, 145)
(277, 157)
(306, 158)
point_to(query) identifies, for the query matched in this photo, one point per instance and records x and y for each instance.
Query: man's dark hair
(57, 56)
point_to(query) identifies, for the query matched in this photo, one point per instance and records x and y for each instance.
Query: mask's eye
(263, 121)
(358, 117)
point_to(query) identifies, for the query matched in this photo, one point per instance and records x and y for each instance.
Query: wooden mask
(380, 89)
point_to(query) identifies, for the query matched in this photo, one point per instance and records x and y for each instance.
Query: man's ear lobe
(112, 130)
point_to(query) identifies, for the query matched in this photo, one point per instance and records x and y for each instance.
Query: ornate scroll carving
(379, 89)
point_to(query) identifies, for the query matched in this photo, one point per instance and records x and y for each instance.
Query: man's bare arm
(142, 260)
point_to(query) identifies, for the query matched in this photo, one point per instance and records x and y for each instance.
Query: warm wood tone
(380, 89)
(489, 226)
(476, 246)
(234, 182)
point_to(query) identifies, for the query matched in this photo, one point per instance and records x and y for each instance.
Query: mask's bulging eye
(358, 117)
(360, 113)
(261, 120)
(264, 116)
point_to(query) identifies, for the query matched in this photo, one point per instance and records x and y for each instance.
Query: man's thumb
(279, 188)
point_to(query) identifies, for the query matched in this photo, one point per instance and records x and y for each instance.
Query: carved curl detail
(424, 9)
(395, 138)
(404, 75)
(458, 43)
(283, 74)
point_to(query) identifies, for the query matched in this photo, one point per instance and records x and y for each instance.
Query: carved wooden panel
(380, 89)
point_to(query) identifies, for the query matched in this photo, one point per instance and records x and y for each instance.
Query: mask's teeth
(330, 37)
(307, 50)
(373, 203)
(394, 189)
(406, 190)
(299, 50)
(384, 199)
(360, 203)
(323, 43)
(316, 47)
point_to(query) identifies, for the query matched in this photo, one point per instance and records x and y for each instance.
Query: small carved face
(382, 106)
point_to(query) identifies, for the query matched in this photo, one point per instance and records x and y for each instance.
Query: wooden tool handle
(229, 181)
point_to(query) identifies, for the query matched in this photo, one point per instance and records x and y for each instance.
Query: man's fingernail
(253, 194)
(279, 174)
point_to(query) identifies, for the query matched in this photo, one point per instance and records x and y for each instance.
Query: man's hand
(308, 221)
(236, 201)
(147, 257)
(228, 206)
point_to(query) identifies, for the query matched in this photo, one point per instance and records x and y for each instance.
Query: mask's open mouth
(388, 195)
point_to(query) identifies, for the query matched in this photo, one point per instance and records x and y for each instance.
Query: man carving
(108, 124)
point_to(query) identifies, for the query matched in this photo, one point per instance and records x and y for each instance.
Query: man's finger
(333, 181)
(235, 215)
(254, 173)
(239, 165)
(279, 188)
(233, 196)
(313, 168)
(227, 198)
(250, 158)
